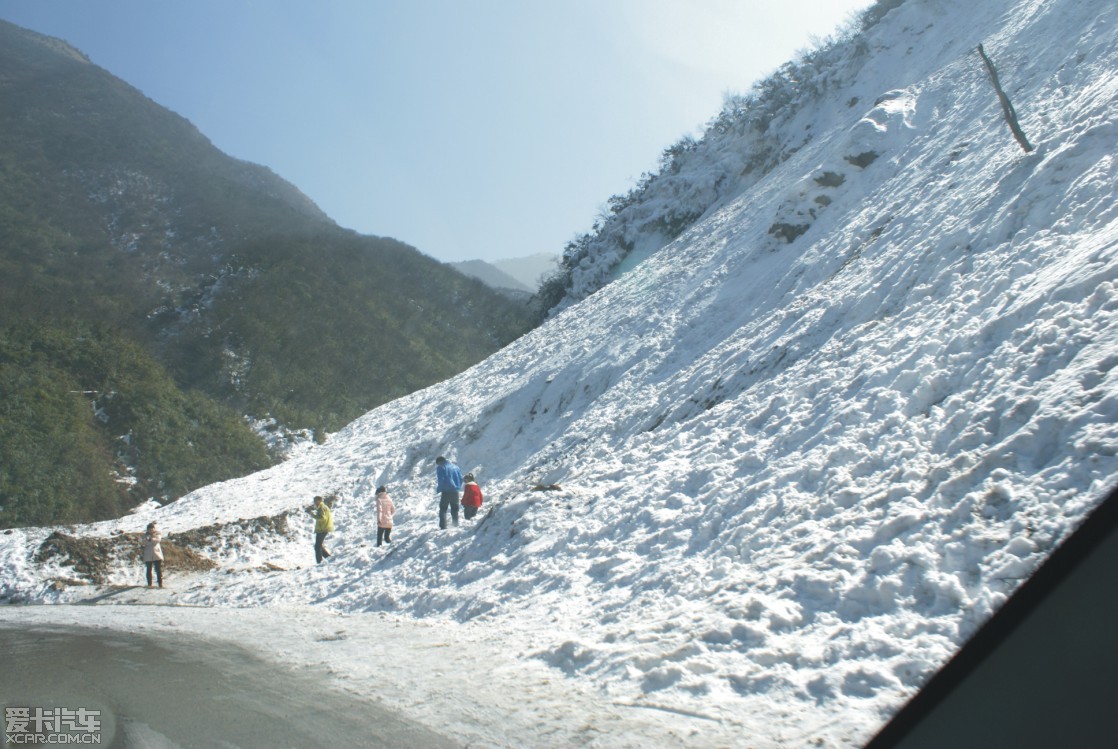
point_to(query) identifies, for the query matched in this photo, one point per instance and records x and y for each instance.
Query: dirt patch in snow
(94, 558)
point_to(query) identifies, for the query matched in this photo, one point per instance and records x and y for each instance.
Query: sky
(793, 477)
(470, 129)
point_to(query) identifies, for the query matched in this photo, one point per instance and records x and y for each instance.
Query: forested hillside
(155, 292)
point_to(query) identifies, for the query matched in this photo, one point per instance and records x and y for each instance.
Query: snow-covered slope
(793, 476)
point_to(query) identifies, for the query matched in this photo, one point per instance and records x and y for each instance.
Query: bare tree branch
(1007, 105)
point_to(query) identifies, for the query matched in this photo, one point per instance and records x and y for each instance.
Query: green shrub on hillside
(91, 425)
(55, 461)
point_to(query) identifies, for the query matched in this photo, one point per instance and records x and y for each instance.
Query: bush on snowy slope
(753, 134)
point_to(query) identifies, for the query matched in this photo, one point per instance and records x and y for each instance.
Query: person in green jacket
(323, 524)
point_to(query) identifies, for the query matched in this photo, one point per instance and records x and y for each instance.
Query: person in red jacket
(471, 497)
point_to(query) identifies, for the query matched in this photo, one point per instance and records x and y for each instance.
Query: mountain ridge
(121, 224)
(491, 275)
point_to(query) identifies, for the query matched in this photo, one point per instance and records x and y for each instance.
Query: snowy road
(171, 691)
(305, 671)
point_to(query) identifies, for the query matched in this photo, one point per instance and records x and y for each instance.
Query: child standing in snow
(385, 511)
(323, 525)
(471, 497)
(153, 553)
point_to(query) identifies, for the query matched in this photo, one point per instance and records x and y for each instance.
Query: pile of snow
(795, 470)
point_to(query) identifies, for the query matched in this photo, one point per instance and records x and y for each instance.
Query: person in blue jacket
(449, 487)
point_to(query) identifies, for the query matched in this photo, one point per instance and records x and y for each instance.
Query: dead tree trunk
(1007, 105)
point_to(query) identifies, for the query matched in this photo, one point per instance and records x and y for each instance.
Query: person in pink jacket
(385, 511)
(471, 497)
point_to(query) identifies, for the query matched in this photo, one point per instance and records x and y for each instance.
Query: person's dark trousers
(469, 512)
(384, 535)
(448, 501)
(320, 552)
(158, 565)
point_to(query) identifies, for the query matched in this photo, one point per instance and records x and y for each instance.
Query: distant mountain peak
(491, 275)
(520, 274)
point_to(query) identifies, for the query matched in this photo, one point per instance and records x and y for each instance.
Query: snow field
(797, 468)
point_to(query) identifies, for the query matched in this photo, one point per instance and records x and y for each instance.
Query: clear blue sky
(468, 128)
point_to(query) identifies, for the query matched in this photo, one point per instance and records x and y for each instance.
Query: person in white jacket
(385, 511)
(153, 553)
